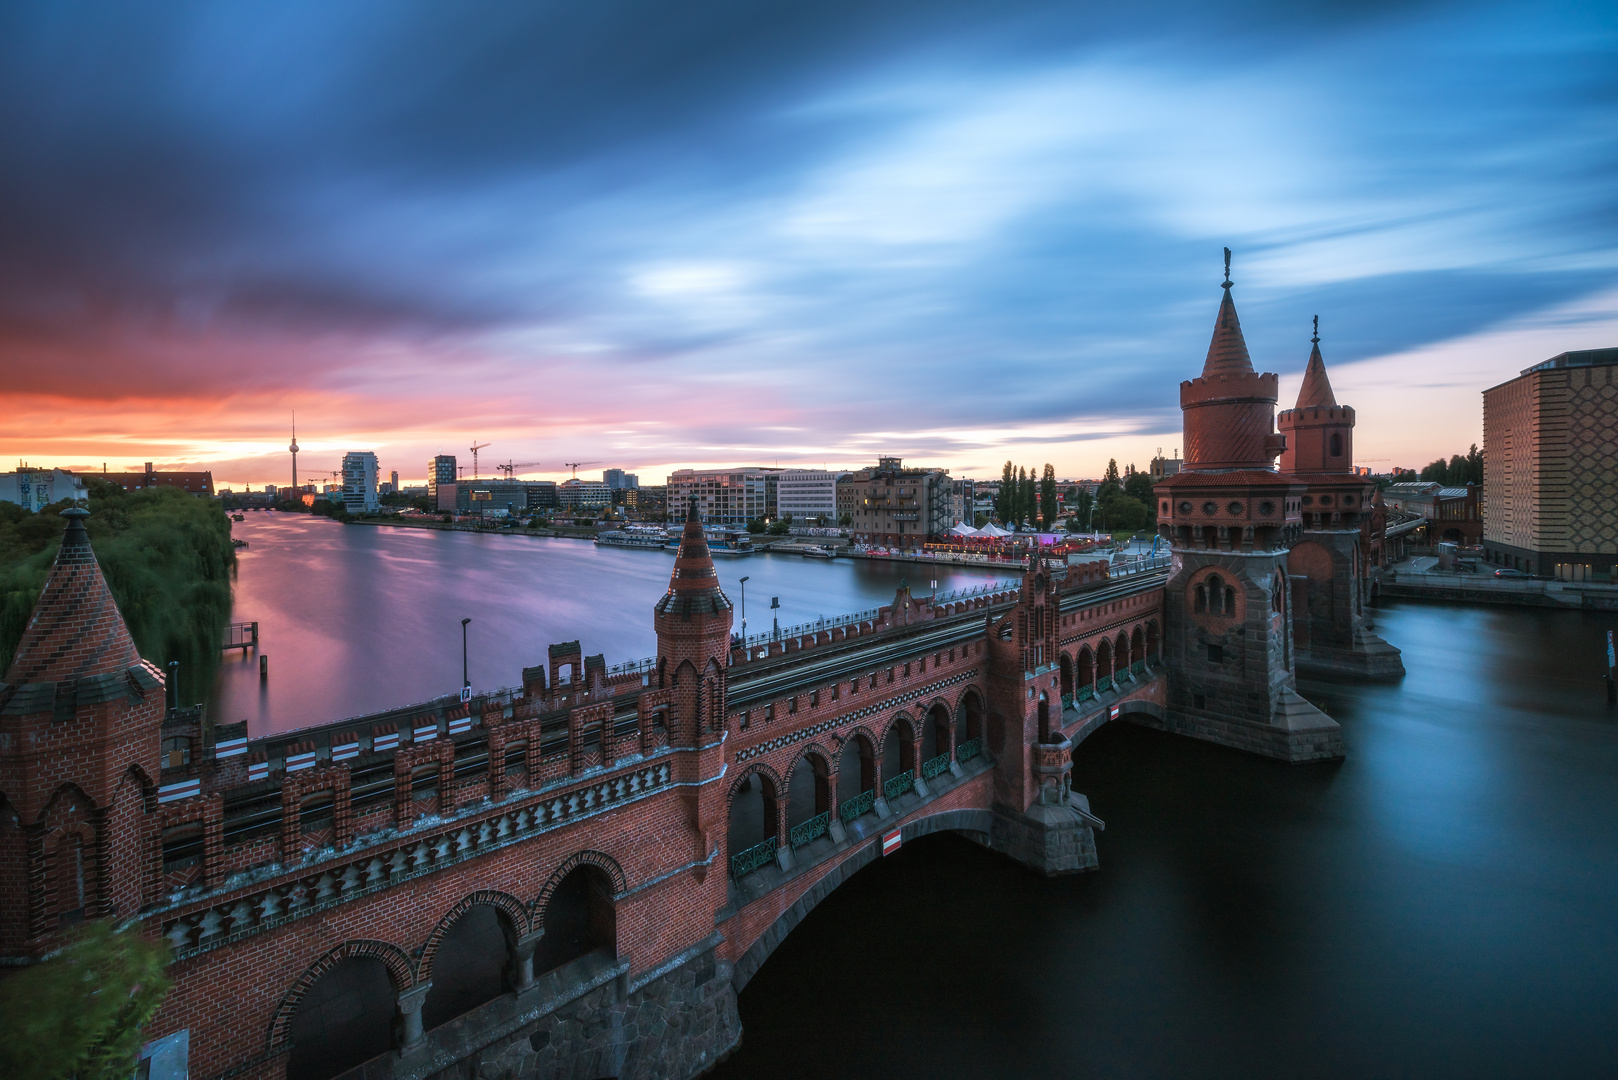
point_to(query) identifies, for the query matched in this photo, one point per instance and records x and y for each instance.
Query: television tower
(294, 449)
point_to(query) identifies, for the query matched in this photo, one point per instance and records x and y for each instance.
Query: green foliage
(1079, 501)
(79, 1014)
(781, 528)
(755, 526)
(166, 555)
(1047, 497)
(846, 520)
(1458, 471)
(1138, 485)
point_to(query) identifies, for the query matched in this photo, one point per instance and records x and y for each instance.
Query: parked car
(1508, 572)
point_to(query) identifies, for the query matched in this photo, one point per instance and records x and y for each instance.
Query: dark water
(1444, 903)
(356, 618)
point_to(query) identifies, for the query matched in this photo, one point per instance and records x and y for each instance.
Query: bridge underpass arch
(975, 824)
(1144, 710)
(342, 1011)
(578, 913)
(471, 962)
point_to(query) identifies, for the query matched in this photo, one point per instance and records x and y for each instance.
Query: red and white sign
(1113, 714)
(890, 842)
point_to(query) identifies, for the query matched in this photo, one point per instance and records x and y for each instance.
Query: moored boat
(634, 536)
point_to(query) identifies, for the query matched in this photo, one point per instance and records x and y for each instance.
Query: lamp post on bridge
(743, 586)
(466, 681)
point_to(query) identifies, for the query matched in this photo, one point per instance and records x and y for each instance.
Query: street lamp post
(744, 612)
(466, 681)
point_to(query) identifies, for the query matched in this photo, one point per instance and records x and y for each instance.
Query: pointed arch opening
(579, 919)
(473, 964)
(344, 1019)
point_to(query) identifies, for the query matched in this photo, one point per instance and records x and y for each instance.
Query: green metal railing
(1067, 701)
(1084, 693)
(863, 803)
(968, 750)
(898, 786)
(1138, 667)
(934, 766)
(1103, 684)
(813, 829)
(745, 862)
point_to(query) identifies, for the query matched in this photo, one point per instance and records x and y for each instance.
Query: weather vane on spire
(1316, 338)
(1227, 268)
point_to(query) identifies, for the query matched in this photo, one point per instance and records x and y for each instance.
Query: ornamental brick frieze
(787, 739)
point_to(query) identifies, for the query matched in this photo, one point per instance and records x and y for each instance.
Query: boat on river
(635, 536)
(726, 542)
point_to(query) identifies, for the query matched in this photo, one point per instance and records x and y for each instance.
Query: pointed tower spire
(1227, 352)
(75, 631)
(1315, 393)
(694, 584)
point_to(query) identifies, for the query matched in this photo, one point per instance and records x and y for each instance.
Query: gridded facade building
(1550, 453)
(359, 482)
(441, 470)
(806, 494)
(726, 496)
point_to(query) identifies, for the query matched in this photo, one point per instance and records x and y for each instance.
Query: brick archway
(400, 971)
(509, 905)
(581, 858)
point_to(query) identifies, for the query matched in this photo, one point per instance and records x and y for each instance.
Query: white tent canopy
(963, 529)
(991, 529)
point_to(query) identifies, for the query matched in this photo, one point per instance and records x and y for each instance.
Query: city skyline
(952, 233)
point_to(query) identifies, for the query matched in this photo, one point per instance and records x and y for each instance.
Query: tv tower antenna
(294, 449)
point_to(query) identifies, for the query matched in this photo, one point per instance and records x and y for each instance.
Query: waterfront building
(726, 496)
(1455, 513)
(441, 470)
(1550, 453)
(892, 506)
(576, 494)
(393, 481)
(359, 482)
(1164, 466)
(199, 484)
(807, 494)
(618, 480)
(35, 489)
(515, 497)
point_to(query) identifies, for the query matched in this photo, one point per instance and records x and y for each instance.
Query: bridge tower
(693, 622)
(1229, 517)
(1329, 563)
(1038, 820)
(80, 742)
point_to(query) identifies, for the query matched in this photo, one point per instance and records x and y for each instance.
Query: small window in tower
(1198, 701)
(1216, 654)
(1202, 598)
(1336, 445)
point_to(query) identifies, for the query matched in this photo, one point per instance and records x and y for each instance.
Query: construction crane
(574, 465)
(511, 467)
(475, 448)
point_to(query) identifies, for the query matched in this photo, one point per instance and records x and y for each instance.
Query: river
(359, 618)
(1443, 903)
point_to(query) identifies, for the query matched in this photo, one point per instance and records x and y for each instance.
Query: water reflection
(357, 618)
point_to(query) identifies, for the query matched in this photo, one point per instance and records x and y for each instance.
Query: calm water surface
(359, 618)
(1444, 903)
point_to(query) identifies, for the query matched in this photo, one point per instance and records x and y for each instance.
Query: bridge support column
(524, 950)
(1054, 835)
(410, 1031)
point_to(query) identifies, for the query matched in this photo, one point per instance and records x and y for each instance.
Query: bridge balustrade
(746, 861)
(1104, 684)
(933, 766)
(896, 787)
(969, 749)
(809, 831)
(858, 806)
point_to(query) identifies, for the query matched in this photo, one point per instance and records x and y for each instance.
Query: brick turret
(1319, 432)
(1230, 408)
(693, 636)
(80, 717)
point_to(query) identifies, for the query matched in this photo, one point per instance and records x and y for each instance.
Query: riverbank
(1419, 579)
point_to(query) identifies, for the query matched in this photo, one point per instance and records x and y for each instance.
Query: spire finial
(1316, 338)
(1227, 283)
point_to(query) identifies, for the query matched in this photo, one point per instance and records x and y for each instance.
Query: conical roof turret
(694, 583)
(75, 631)
(1227, 352)
(1316, 390)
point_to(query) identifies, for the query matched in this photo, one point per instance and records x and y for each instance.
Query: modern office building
(893, 506)
(725, 496)
(618, 480)
(359, 482)
(35, 489)
(517, 498)
(576, 494)
(1550, 453)
(441, 470)
(807, 494)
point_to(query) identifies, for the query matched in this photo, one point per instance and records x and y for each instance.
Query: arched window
(1230, 600)
(1202, 599)
(345, 1019)
(470, 967)
(1216, 594)
(579, 918)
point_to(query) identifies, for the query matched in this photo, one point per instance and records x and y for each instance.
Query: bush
(79, 1014)
(166, 555)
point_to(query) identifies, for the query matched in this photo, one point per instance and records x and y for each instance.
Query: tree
(79, 1014)
(846, 520)
(1005, 500)
(1047, 497)
(1138, 486)
(755, 526)
(1080, 502)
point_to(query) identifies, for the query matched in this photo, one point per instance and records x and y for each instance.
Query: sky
(650, 235)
